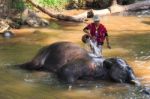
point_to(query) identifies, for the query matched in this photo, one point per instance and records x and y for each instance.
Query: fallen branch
(115, 8)
(57, 16)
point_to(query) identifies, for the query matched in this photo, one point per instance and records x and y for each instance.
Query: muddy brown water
(129, 38)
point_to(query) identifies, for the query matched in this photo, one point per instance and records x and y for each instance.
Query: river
(129, 38)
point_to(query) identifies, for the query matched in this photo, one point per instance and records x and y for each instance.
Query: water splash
(96, 51)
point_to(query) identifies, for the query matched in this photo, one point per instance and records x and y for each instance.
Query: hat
(96, 18)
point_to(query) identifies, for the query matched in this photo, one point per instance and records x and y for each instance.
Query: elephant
(112, 69)
(70, 62)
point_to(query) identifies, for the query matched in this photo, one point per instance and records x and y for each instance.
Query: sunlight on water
(129, 38)
(116, 52)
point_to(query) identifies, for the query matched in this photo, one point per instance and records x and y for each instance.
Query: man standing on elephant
(97, 32)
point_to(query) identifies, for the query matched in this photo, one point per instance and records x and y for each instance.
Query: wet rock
(15, 23)
(7, 34)
(6, 24)
(3, 25)
(31, 19)
(72, 5)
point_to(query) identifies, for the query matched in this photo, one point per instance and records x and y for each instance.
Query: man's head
(96, 19)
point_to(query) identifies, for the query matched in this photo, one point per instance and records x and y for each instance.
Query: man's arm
(107, 41)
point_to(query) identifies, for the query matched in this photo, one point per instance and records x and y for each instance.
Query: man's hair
(85, 37)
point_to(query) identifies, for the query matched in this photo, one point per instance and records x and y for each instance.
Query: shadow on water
(146, 22)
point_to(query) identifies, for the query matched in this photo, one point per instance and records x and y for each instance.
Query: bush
(18, 4)
(56, 4)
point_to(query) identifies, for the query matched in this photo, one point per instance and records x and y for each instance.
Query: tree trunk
(115, 8)
(57, 16)
(5, 6)
(114, 2)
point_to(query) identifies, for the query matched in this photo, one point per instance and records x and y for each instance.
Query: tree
(7, 7)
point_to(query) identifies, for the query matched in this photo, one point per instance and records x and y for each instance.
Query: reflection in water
(129, 39)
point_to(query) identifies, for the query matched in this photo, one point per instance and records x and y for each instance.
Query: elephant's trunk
(136, 82)
(141, 88)
(132, 78)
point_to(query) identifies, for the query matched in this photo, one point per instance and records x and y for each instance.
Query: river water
(129, 38)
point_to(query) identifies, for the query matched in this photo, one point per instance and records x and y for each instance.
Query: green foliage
(18, 4)
(28, 5)
(58, 4)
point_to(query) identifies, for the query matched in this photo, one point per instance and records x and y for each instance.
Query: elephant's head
(120, 71)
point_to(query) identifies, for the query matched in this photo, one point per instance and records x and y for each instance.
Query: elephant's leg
(74, 70)
(66, 75)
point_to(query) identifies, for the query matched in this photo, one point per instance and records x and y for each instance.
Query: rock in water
(33, 19)
(3, 26)
(7, 34)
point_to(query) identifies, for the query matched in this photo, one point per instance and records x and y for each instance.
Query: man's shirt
(100, 33)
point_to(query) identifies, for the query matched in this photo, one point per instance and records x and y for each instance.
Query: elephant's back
(66, 49)
(57, 54)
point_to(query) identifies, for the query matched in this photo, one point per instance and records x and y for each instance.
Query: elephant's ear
(107, 63)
